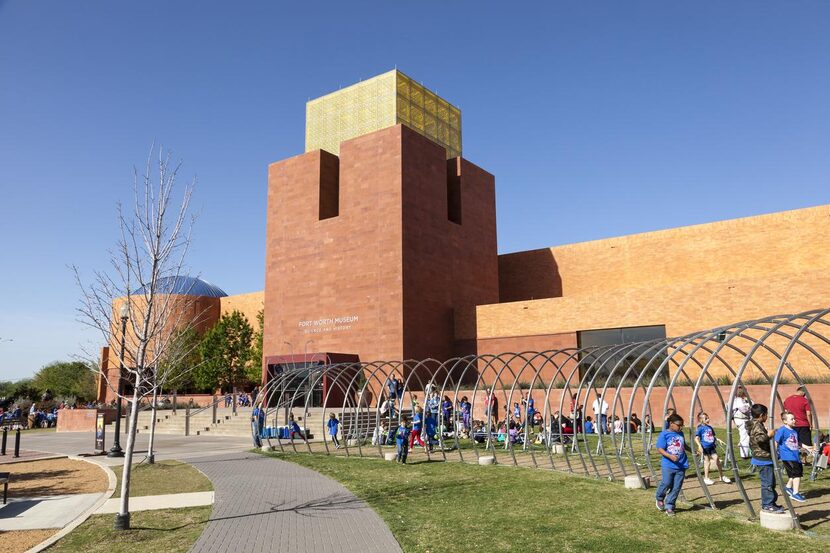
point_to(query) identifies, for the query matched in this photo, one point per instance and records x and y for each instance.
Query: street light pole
(116, 450)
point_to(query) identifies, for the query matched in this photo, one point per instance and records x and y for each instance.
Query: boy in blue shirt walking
(707, 448)
(333, 424)
(789, 450)
(402, 440)
(672, 446)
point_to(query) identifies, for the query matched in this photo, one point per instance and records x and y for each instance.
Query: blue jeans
(768, 494)
(603, 423)
(403, 451)
(672, 482)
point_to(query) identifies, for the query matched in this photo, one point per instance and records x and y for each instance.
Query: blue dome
(188, 286)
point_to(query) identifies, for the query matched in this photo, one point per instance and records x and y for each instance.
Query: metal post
(17, 443)
(215, 402)
(116, 450)
(233, 405)
(3, 448)
(187, 420)
(174, 401)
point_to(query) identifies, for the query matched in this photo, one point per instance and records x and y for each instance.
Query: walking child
(707, 448)
(789, 448)
(402, 440)
(417, 425)
(672, 448)
(759, 443)
(333, 424)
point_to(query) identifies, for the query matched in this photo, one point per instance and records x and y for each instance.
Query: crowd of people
(791, 443)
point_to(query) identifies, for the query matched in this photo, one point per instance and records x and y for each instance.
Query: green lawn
(170, 530)
(436, 506)
(163, 477)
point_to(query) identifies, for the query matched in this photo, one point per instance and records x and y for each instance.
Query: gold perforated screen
(378, 103)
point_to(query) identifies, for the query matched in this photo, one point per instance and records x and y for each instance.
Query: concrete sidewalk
(156, 502)
(38, 513)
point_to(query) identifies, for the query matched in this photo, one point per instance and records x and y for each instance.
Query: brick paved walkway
(263, 504)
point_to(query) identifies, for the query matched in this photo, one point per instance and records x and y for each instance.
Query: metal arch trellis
(701, 371)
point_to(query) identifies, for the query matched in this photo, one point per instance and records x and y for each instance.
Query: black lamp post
(116, 450)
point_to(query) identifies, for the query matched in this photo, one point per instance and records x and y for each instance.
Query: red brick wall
(391, 257)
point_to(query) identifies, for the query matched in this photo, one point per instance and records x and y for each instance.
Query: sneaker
(725, 480)
(708, 481)
(660, 505)
(773, 509)
(670, 512)
(798, 497)
(789, 491)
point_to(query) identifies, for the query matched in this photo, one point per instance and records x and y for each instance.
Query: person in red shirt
(798, 405)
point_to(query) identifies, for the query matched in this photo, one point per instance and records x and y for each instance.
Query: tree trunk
(122, 519)
(151, 458)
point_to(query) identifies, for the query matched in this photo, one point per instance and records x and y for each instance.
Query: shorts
(709, 451)
(804, 435)
(794, 469)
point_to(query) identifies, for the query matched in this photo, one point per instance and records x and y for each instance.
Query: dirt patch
(55, 477)
(22, 540)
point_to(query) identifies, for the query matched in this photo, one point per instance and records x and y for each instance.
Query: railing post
(5, 432)
(174, 401)
(234, 400)
(215, 403)
(17, 443)
(187, 420)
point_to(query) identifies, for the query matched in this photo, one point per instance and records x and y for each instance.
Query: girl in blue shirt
(707, 448)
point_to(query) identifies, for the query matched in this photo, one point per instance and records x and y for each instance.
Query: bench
(4, 479)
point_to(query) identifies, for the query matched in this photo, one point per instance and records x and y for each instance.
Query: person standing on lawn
(672, 447)
(798, 405)
(740, 414)
(759, 442)
(786, 438)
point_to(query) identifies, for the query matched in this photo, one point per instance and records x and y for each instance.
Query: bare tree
(146, 266)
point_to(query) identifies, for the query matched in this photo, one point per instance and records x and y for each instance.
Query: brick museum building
(381, 245)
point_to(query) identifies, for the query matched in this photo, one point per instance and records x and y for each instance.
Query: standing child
(759, 443)
(333, 425)
(788, 453)
(707, 448)
(672, 447)
(402, 440)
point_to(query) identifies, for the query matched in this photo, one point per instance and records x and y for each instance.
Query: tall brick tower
(371, 252)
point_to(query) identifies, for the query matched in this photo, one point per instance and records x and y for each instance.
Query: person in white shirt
(601, 415)
(740, 414)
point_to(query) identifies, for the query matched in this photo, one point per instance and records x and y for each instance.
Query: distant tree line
(228, 354)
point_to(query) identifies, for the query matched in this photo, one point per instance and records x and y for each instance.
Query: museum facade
(381, 244)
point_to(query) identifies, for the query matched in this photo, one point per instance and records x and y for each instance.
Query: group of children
(672, 447)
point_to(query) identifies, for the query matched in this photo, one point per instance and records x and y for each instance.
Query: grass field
(435, 506)
(170, 530)
(163, 477)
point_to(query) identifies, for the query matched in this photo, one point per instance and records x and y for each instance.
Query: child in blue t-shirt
(431, 429)
(672, 447)
(788, 451)
(402, 440)
(333, 424)
(589, 425)
(707, 448)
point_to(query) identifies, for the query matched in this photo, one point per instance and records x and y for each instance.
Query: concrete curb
(80, 519)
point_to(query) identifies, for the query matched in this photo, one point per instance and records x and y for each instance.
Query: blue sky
(598, 119)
